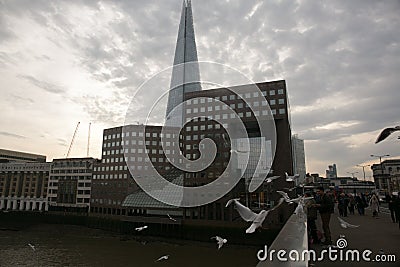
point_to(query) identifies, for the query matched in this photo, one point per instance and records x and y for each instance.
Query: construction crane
(88, 141)
(73, 138)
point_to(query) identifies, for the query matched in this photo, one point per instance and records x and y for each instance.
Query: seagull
(172, 219)
(141, 228)
(386, 132)
(289, 189)
(270, 179)
(220, 241)
(345, 224)
(293, 200)
(291, 178)
(162, 258)
(32, 246)
(250, 216)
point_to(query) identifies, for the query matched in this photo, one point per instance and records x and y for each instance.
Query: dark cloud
(340, 59)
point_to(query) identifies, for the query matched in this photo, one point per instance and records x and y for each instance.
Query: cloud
(340, 60)
(49, 87)
(12, 135)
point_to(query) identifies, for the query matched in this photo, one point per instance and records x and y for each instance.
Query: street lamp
(363, 167)
(352, 174)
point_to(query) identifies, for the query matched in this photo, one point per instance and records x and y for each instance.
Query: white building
(23, 186)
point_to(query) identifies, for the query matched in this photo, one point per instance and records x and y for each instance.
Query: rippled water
(67, 245)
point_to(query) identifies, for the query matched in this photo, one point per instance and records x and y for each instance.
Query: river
(69, 245)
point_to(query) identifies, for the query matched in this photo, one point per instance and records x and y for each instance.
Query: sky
(64, 62)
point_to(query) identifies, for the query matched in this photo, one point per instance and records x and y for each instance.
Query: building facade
(17, 156)
(70, 183)
(23, 186)
(331, 172)
(387, 175)
(299, 158)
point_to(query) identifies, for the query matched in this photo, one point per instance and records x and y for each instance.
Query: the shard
(185, 73)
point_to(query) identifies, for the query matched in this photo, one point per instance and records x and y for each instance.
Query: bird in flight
(141, 228)
(250, 216)
(172, 219)
(32, 246)
(292, 200)
(220, 241)
(163, 258)
(386, 132)
(291, 178)
(270, 179)
(345, 224)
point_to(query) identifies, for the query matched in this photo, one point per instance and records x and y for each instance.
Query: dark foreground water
(68, 245)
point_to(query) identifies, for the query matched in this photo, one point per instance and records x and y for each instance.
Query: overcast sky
(67, 61)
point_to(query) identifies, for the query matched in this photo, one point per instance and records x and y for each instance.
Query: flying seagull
(141, 228)
(270, 179)
(292, 200)
(386, 132)
(220, 241)
(172, 219)
(162, 258)
(345, 224)
(250, 216)
(32, 246)
(291, 178)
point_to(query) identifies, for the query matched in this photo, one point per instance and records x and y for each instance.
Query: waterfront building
(70, 183)
(23, 186)
(17, 156)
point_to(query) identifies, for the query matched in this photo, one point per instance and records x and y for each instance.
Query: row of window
(137, 134)
(105, 201)
(110, 176)
(234, 96)
(240, 105)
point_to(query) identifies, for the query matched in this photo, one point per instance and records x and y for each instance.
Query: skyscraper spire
(183, 74)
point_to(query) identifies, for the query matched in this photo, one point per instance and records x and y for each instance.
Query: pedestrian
(342, 204)
(352, 203)
(374, 203)
(397, 208)
(391, 200)
(360, 204)
(312, 213)
(325, 206)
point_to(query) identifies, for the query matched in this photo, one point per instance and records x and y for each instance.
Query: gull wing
(243, 211)
(385, 133)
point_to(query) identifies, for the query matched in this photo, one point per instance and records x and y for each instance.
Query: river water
(68, 245)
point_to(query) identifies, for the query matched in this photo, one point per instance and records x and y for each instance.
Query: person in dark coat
(325, 206)
(312, 214)
(397, 208)
(391, 201)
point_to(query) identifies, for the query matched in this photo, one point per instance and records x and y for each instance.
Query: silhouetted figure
(311, 218)
(374, 203)
(343, 202)
(325, 206)
(361, 203)
(352, 203)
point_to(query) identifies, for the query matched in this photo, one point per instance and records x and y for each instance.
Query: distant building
(70, 184)
(17, 156)
(299, 158)
(387, 175)
(331, 172)
(23, 186)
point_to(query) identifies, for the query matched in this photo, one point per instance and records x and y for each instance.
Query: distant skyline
(68, 61)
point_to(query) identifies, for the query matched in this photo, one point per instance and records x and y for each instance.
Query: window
(255, 94)
(281, 111)
(280, 91)
(217, 107)
(209, 108)
(281, 101)
(202, 100)
(224, 98)
(271, 92)
(232, 97)
(272, 102)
